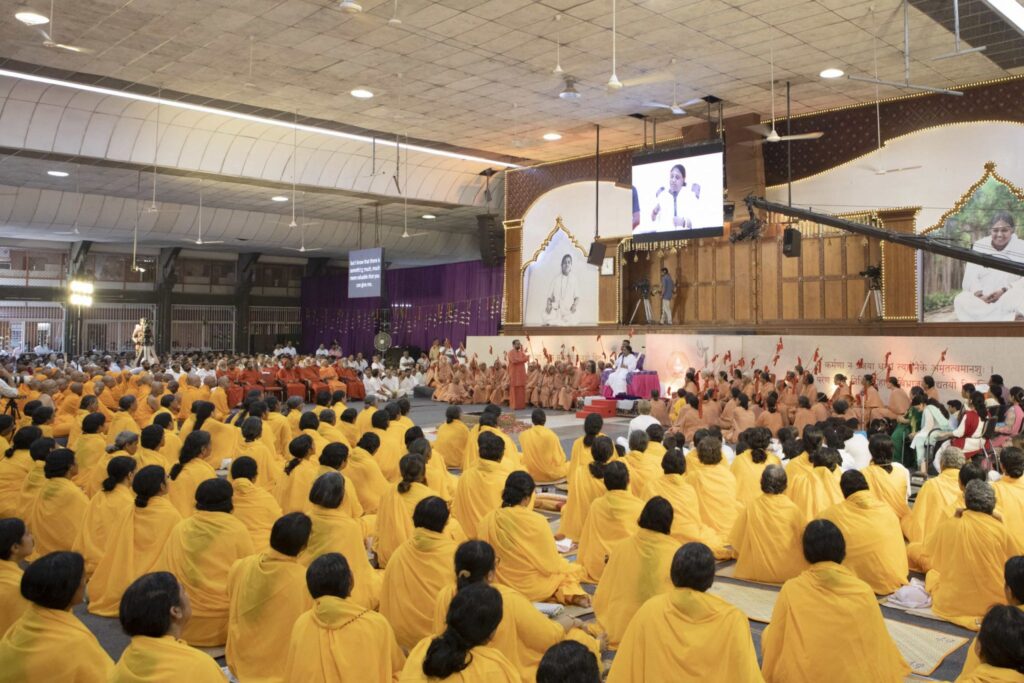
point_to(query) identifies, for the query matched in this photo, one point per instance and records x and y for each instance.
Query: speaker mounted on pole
(492, 239)
(791, 242)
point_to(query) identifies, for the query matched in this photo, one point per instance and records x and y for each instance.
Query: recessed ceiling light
(279, 198)
(361, 93)
(428, 216)
(30, 17)
(58, 174)
(350, 7)
(832, 73)
(551, 137)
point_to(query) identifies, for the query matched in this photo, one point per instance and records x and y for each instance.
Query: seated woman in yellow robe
(365, 473)
(252, 443)
(16, 544)
(450, 443)
(59, 508)
(151, 447)
(817, 490)
(125, 444)
(417, 572)
(998, 648)
(347, 424)
(15, 464)
(91, 447)
(48, 642)
(292, 490)
(524, 634)
(189, 472)
(254, 506)
(200, 551)
(585, 487)
(715, 486)
(36, 477)
(1013, 574)
(335, 531)
(938, 497)
(612, 518)
(686, 633)
(123, 420)
(266, 594)
(643, 461)
(543, 456)
(394, 516)
(461, 652)
(442, 482)
(155, 609)
(768, 533)
(888, 480)
(135, 541)
(579, 456)
(104, 511)
(826, 624)
(751, 463)
(479, 489)
(511, 461)
(223, 438)
(339, 636)
(637, 569)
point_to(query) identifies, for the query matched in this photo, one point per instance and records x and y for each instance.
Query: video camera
(873, 274)
(643, 286)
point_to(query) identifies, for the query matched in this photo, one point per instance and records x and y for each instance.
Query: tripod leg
(636, 309)
(864, 307)
(878, 302)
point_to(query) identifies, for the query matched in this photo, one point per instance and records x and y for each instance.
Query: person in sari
(907, 426)
(934, 419)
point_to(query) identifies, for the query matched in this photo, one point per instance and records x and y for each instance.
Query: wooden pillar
(512, 300)
(899, 267)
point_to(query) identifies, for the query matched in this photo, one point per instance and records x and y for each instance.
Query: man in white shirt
(360, 363)
(377, 364)
(290, 349)
(375, 387)
(322, 351)
(641, 422)
(563, 299)
(391, 383)
(408, 383)
(988, 294)
(406, 361)
(624, 364)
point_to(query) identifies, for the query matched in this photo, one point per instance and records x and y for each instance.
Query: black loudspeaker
(596, 255)
(492, 239)
(791, 242)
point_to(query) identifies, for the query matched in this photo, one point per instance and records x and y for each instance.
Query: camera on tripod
(873, 274)
(643, 286)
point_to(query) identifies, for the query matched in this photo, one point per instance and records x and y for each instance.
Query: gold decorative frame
(559, 225)
(990, 172)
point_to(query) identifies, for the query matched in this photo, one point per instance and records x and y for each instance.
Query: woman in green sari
(908, 425)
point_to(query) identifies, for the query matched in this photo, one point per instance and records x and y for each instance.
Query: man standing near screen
(674, 205)
(668, 289)
(562, 301)
(517, 360)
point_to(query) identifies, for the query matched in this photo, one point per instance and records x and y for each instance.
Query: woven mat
(729, 571)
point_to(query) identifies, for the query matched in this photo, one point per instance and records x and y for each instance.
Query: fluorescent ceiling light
(428, 216)
(280, 123)
(58, 174)
(361, 93)
(30, 17)
(551, 137)
(279, 198)
(832, 73)
(1010, 10)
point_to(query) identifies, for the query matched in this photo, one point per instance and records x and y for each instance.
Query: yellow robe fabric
(171, 448)
(363, 420)
(56, 516)
(370, 483)
(487, 665)
(985, 673)
(333, 434)
(319, 442)
(269, 470)
(122, 422)
(637, 570)
(257, 509)
(934, 501)
(394, 519)
(888, 487)
(644, 467)
(282, 432)
(101, 516)
(478, 493)
(350, 431)
(584, 489)
(266, 594)
(874, 541)
(612, 518)
(686, 635)
(388, 456)
(165, 660)
(443, 483)
(200, 551)
(219, 399)
(687, 524)
(1010, 504)
(30, 487)
(334, 531)
(798, 467)
(543, 456)
(52, 645)
(416, 573)
(13, 471)
(748, 475)
(12, 605)
(89, 452)
(133, 549)
(816, 491)
(511, 460)
(338, 639)
(527, 558)
(450, 443)
(968, 554)
(716, 492)
(146, 456)
(827, 626)
(768, 539)
(292, 491)
(182, 491)
(223, 439)
(93, 483)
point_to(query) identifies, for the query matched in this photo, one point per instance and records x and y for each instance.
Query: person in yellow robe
(917, 552)
(254, 506)
(16, 544)
(57, 513)
(437, 477)
(827, 624)
(339, 636)
(461, 652)
(812, 439)
(292, 490)
(479, 489)
(586, 486)
(967, 553)
(365, 417)
(768, 533)
(889, 481)
(637, 570)
(172, 442)
(347, 424)
(252, 444)
(642, 460)
(329, 430)
(150, 450)
(936, 499)
(334, 459)
(135, 541)
(511, 461)
(365, 473)
(266, 594)
(612, 518)
(1013, 575)
(874, 540)
(452, 436)
(999, 648)
(126, 444)
(394, 516)
(749, 465)
(715, 486)
(223, 438)
(200, 551)
(48, 642)
(124, 419)
(1010, 492)
(104, 510)
(36, 477)
(417, 572)
(154, 612)
(91, 446)
(334, 530)
(524, 633)
(15, 464)
(685, 633)
(818, 489)
(309, 424)
(390, 450)
(569, 661)
(543, 456)
(189, 472)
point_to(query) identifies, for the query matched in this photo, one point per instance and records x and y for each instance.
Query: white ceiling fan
(48, 40)
(770, 134)
(676, 108)
(74, 230)
(293, 225)
(199, 241)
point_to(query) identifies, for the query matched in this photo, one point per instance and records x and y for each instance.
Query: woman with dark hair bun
(16, 544)
(365, 473)
(56, 513)
(15, 464)
(586, 485)
(135, 541)
(292, 490)
(223, 438)
(569, 662)
(105, 509)
(751, 463)
(580, 455)
(612, 518)
(190, 470)
(461, 652)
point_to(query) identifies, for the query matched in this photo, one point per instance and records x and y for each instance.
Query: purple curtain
(435, 302)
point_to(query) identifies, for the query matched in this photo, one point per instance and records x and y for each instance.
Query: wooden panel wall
(513, 314)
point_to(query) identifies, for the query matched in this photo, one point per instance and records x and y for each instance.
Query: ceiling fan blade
(801, 136)
(296, 249)
(213, 242)
(695, 100)
(73, 48)
(659, 105)
(761, 129)
(309, 249)
(885, 171)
